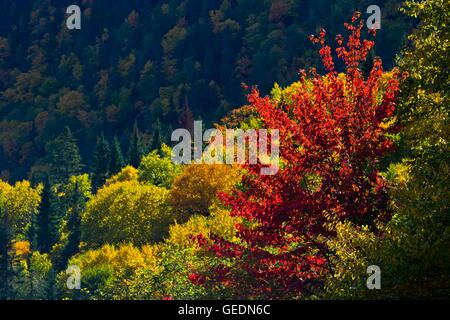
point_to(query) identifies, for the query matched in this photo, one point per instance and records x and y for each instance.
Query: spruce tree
(157, 138)
(65, 160)
(186, 119)
(47, 220)
(31, 231)
(136, 149)
(78, 202)
(100, 167)
(117, 161)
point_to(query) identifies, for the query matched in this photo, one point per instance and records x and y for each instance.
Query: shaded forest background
(153, 64)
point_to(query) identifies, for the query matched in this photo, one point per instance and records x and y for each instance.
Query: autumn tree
(128, 173)
(18, 204)
(179, 258)
(108, 270)
(21, 201)
(126, 211)
(196, 188)
(333, 130)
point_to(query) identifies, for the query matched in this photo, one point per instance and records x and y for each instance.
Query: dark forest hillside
(154, 63)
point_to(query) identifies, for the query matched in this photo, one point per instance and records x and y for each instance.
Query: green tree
(64, 157)
(47, 220)
(412, 251)
(73, 197)
(157, 137)
(420, 228)
(30, 274)
(101, 165)
(78, 200)
(41, 276)
(136, 148)
(158, 170)
(106, 76)
(117, 161)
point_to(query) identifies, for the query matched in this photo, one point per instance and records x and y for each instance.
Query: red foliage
(331, 133)
(196, 278)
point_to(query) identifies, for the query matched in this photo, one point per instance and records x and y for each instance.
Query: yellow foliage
(126, 212)
(21, 248)
(219, 223)
(128, 173)
(120, 258)
(121, 264)
(180, 234)
(21, 201)
(351, 248)
(82, 182)
(197, 186)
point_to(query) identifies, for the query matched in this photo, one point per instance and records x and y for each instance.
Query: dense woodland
(155, 63)
(87, 175)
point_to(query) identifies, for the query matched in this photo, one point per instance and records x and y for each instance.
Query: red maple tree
(332, 134)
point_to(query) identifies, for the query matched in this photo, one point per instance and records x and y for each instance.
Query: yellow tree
(107, 271)
(127, 173)
(195, 189)
(179, 258)
(126, 211)
(21, 201)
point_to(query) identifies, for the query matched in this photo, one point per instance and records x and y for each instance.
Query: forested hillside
(151, 65)
(95, 204)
